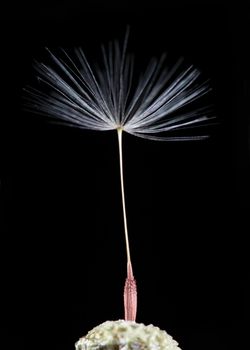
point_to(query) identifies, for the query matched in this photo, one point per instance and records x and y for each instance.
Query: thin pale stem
(119, 131)
(130, 290)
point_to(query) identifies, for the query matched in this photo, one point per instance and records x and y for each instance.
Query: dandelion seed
(108, 97)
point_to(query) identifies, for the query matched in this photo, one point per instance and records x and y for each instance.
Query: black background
(62, 248)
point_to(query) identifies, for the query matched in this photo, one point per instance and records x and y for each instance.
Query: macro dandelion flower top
(125, 335)
(107, 96)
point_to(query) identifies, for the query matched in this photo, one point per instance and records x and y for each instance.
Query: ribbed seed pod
(126, 335)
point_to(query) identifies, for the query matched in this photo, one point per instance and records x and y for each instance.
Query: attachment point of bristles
(130, 295)
(119, 129)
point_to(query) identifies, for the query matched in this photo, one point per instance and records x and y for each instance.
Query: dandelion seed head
(126, 335)
(108, 96)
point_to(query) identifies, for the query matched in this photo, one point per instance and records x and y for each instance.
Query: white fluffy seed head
(108, 96)
(126, 335)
